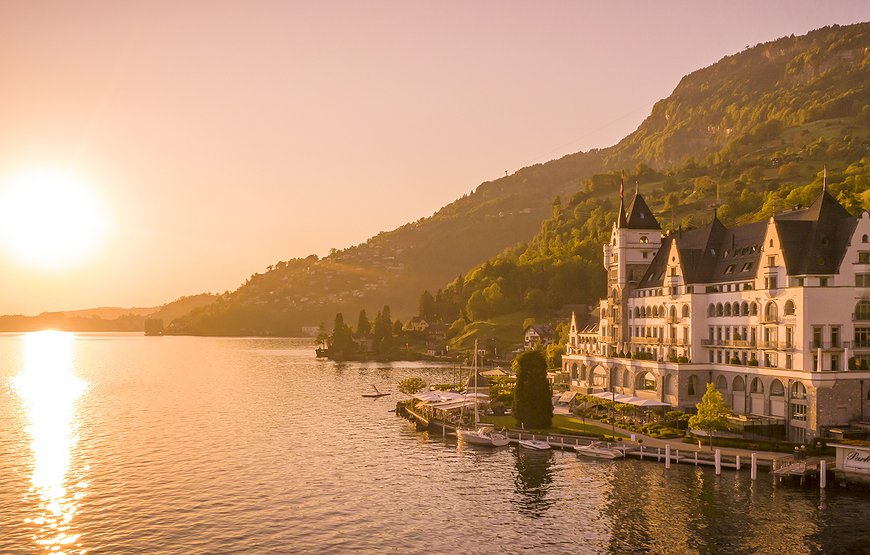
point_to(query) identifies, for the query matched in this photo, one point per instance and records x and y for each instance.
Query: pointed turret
(640, 216)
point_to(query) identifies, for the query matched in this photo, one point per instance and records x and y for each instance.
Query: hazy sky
(226, 136)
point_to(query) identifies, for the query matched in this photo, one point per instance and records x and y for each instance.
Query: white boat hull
(477, 437)
(534, 444)
(599, 451)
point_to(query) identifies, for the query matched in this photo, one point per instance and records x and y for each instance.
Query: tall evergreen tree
(341, 341)
(426, 306)
(533, 401)
(363, 326)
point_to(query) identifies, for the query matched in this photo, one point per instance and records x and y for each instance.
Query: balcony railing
(647, 340)
(860, 317)
(829, 345)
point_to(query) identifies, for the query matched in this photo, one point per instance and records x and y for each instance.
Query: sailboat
(481, 435)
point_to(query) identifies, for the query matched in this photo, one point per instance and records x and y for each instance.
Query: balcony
(647, 340)
(771, 344)
(829, 345)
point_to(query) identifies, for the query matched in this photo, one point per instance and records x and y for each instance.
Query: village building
(538, 335)
(775, 313)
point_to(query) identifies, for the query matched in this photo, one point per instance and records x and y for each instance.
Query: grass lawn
(562, 424)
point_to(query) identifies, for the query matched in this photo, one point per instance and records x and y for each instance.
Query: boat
(376, 394)
(484, 435)
(600, 450)
(321, 352)
(538, 444)
(481, 435)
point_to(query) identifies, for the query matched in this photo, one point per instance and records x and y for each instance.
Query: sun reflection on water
(49, 390)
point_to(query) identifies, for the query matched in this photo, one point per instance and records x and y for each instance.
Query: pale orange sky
(226, 136)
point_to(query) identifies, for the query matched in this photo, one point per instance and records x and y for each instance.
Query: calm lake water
(126, 444)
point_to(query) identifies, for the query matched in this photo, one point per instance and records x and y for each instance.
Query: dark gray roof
(639, 215)
(814, 241)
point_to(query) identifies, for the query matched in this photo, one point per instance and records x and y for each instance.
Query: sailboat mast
(475, 383)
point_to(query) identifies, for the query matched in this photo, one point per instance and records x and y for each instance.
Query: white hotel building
(775, 313)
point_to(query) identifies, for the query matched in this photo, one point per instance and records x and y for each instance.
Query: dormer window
(746, 267)
(729, 269)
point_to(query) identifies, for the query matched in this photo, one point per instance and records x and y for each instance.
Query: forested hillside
(754, 129)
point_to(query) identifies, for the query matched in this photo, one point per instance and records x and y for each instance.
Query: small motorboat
(600, 450)
(484, 435)
(537, 444)
(376, 394)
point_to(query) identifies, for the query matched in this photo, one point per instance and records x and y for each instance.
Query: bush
(752, 362)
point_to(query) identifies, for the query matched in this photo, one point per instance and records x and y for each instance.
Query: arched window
(798, 391)
(645, 381)
(864, 238)
(719, 310)
(776, 389)
(693, 385)
(727, 309)
(738, 384)
(744, 309)
(662, 311)
(756, 386)
(735, 309)
(789, 308)
(636, 312)
(721, 384)
(583, 373)
(685, 311)
(599, 377)
(615, 294)
(626, 378)
(753, 309)
(649, 312)
(711, 310)
(644, 239)
(862, 310)
(673, 313)
(770, 311)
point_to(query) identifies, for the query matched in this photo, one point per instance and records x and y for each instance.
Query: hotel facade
(775, 313)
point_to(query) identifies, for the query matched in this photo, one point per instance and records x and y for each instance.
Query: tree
(426, 306)
(383, 331)
(554, 352)
(712, 413)
(341, 341)
(533, 402)
(410, 386)
(363, 326)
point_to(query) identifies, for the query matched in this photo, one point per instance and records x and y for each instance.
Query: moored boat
(600, 450)
(537, 444)
(484, 435)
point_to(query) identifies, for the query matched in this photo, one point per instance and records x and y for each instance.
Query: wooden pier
(783, 467)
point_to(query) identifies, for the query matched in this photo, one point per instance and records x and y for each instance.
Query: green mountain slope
(750, 127)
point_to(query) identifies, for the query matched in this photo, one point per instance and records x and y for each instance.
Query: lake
(119, 443)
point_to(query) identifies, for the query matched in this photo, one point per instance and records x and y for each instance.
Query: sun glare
(50, 220)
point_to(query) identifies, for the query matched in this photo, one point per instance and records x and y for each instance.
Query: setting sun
(49, 220)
